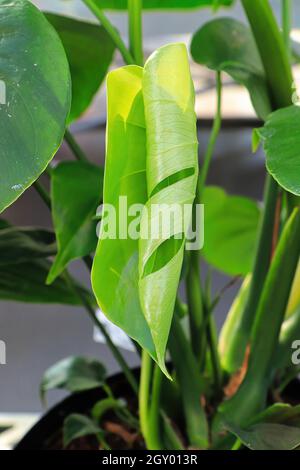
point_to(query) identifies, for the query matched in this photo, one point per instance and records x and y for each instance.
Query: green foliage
(281, 139)
(74, 374)
(227, 45)
(265, 436)
(36, 75)
(149, 269)
(76, 426)
(230, 231)
(89, 51)
(76, 192)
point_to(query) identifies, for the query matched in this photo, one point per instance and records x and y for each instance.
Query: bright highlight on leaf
(151, 159)
(36, 78)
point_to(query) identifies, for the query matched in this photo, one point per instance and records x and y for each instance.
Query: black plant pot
(46, 434)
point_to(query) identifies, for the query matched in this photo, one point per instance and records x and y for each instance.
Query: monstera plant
(195, 389)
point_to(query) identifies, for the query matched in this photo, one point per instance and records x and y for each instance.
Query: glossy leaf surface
(74, 374)
(89, 51)
(76, 192)
(230, 231)
(36, 92)
(227, 45)
(281, 141)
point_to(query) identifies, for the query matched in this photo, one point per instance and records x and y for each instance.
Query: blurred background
(36, 336)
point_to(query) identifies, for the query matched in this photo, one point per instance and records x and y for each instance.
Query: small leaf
(267, 436)
(76, 192)
(167, 4)
(74, 374)
(281, 141)
(227, 45)
(230, 231)
(280, 413)
(26, 282)
(77, 425)
(89, 50)
(35, 76)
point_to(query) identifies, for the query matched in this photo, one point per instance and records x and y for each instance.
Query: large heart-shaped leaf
(281, 141)
(167, 4)
(230, 231)
(225, 44)
(267, 436)
(35, 75)
(89, 50)
(74, 374)
(76, 192)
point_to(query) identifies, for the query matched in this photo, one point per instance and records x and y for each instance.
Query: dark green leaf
(74, 374)
(167, 4)
(230, 231)
(227, 45)
(26, 282)
(76, 426)
(281, 141)
(35, 73)
(267, 436)
(280, 413)
(89, 50)
(76, 192)
(19, 245)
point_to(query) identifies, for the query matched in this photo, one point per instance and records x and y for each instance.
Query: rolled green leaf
(172, 172)
(152, 161)
(115, 268)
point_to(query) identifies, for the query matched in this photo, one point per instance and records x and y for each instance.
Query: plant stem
(271, 47)
(212, 139)
(135, 30)
(91, 312)
(144, 392)
(287, 14)
(193, 280)
(42, 193)
(75, 147)
(111, 30)
(154, 414)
